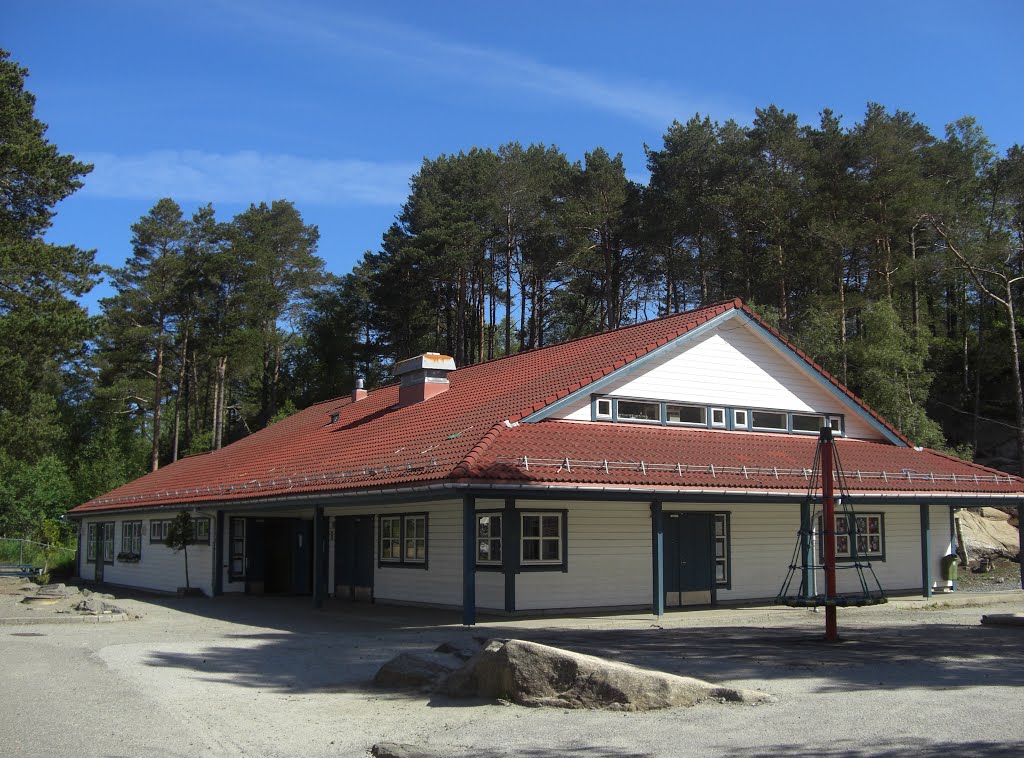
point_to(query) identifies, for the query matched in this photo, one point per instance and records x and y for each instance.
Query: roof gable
(733, 360)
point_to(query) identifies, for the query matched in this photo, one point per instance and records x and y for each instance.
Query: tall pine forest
(890, 254)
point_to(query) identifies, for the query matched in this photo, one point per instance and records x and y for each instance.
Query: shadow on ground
(297, 649)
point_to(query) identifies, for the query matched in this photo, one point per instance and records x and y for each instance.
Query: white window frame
(392, 541)
(607, 401)
(736, 423)
(721, 422)
(722, 549)
(414, 542)
(541, 539)
(91, 542)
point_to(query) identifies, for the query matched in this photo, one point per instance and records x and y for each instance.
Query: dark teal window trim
(709, 410)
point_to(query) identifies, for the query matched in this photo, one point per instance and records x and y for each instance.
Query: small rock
(57, 590)
(91, 605)
(398, 750)
(418, 671)
(461, 649)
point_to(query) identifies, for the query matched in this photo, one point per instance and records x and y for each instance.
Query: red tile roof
(638, 455)
(455, 435)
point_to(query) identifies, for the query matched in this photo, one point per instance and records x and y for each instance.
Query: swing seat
(839, 601)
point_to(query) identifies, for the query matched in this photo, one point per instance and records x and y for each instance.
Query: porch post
(658, 558)
(1020, 534)
(468, 560)
(318, 556)
(510, 552)
(926, 550)
(218, 557)
(806, 550)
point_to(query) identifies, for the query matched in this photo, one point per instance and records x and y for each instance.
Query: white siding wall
(159, 568)
(901, 569)
(730, 366)
(609, 559)
(761, 544)
(441, 582)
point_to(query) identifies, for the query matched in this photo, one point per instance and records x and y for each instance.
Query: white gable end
(731, 365)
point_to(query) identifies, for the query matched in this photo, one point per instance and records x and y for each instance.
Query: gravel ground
(268, 676)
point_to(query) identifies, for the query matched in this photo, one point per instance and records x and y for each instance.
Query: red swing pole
(829, 529)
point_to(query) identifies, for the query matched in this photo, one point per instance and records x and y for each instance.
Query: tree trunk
(219, 403)
(157, 405)
(841, 282)
(177, 398)
(1018, 394)
(915, 304)
(508, 286)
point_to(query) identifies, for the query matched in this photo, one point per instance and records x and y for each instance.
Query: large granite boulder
(531, 674)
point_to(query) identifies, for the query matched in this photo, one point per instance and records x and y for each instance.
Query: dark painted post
(318, 556)
(510, 551)
(806, 550)
(218, 557)
(829, 533)
(1020, 534)
(468, 560)
(926, 552)
(658, 558)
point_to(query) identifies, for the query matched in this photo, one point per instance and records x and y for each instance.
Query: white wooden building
(659, 465)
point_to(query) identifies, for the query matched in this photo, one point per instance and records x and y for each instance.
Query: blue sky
(334, 105)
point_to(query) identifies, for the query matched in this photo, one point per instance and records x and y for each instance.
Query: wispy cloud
(650, 102)
(247, 176)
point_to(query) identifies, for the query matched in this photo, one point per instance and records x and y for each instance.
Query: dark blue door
(689, 558)
(353, 556)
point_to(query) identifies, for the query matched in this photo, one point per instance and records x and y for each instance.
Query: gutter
(554, 491)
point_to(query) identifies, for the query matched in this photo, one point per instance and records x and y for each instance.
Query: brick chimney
(422, 377)
(358, 393)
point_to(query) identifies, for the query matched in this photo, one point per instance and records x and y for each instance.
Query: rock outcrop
(531, 674)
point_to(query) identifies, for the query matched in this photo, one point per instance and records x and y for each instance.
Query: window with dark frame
(638, 410)
(158, 530)
(236, 569)
(686, 414)
(488, 539)
(403, 539)
(201, 530)
(108, 541)
(90, 543)
(541, 538)
(857, 535)
(131, 540)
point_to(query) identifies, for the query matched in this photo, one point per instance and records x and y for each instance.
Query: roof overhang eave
(549, 491)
